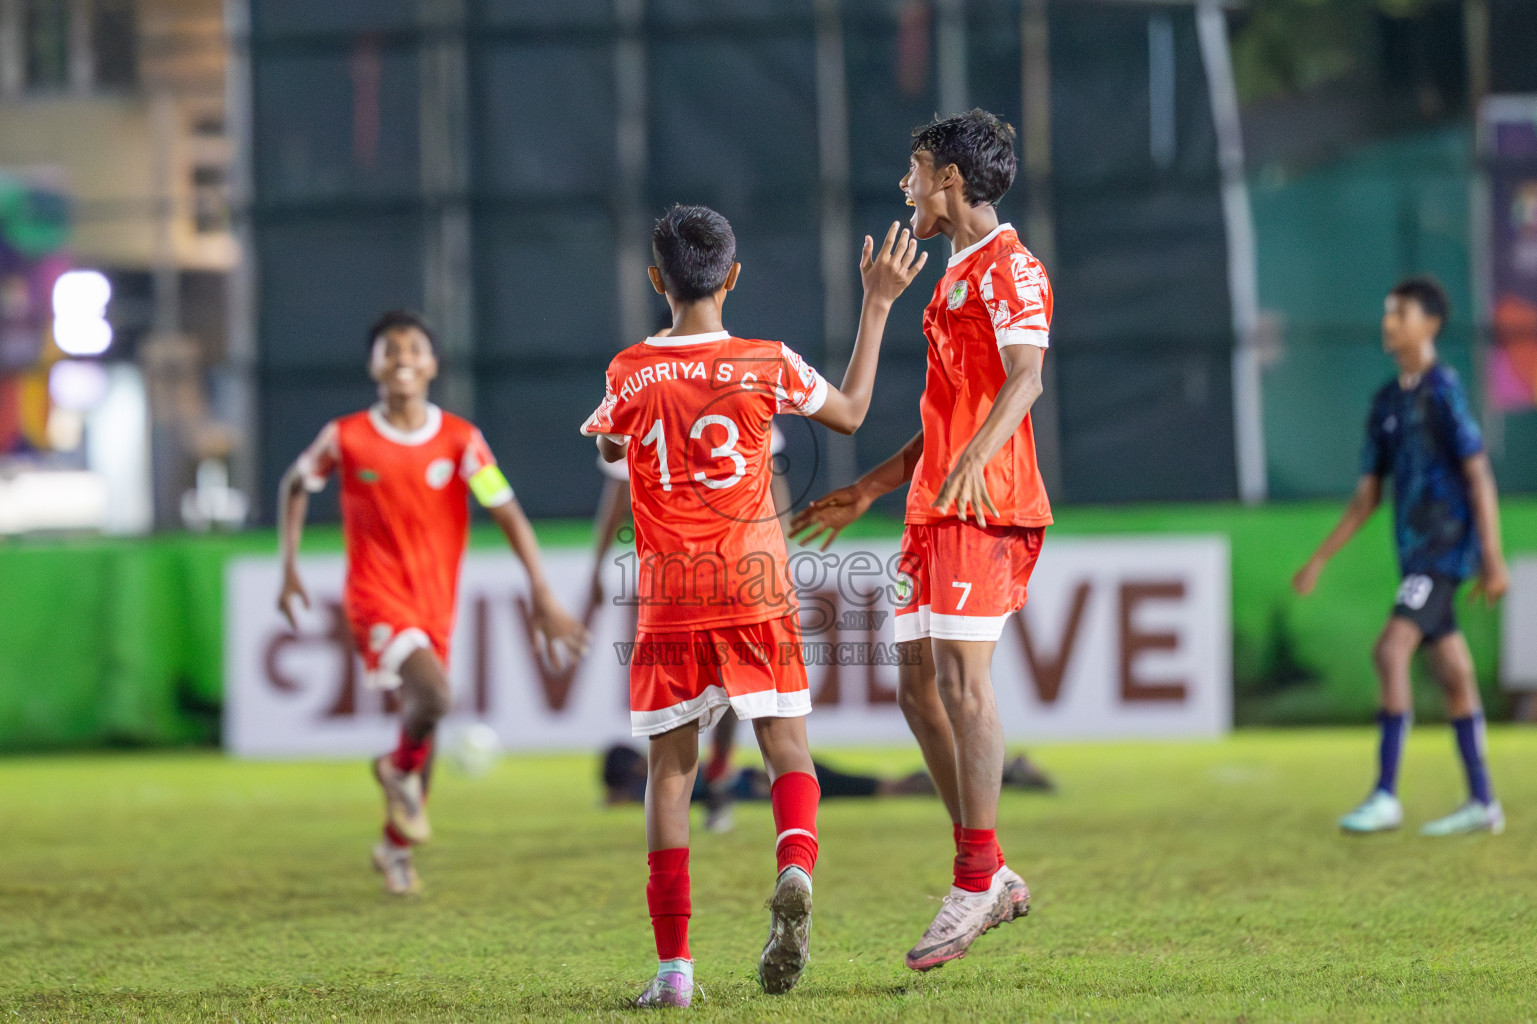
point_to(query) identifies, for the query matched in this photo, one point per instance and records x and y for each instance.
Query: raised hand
(887, 273)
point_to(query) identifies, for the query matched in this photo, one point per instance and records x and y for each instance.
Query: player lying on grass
(624, 780)
(691, 412)
(976, 510)
(1446, 524)
(407, 470)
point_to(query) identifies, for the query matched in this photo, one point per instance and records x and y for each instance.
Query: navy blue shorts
(1428, 601)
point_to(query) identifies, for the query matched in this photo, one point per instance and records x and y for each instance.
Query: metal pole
(1242, 270)
(632, 249)
(449, 288)
(837, 249)
(950, 57)
(241, 309)
(1040, 222)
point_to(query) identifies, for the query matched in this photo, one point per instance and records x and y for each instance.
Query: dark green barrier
(121, 642)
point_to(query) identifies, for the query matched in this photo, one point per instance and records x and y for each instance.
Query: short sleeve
(800, 389)
(1458, 429)
(321, 458)
(1016, 293)
(1376, 459)
(603, 418)
(478, 468)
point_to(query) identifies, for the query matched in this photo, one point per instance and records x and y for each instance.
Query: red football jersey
(405, 514)
(994, 294)
(697, 412)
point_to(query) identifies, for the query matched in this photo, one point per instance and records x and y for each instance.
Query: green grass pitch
(1173, 881)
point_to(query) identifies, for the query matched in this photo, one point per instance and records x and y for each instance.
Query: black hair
(979, 145)
(1426, 291)
(624, 770)
(694, 248)
(396, 319)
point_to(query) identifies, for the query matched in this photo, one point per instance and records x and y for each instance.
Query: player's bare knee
(965, 694)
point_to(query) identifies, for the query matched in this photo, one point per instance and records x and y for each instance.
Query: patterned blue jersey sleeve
(1376, 458)
(1455, 424)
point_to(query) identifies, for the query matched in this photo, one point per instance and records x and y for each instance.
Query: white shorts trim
(401, 646)
(912, 625)
(926, 622)
(709, 707)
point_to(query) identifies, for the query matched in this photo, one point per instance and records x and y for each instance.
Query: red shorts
(755, 669)
(386, 634)
(962, 581)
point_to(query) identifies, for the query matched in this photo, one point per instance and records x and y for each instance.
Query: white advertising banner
(1123, 637)
(1518, 630)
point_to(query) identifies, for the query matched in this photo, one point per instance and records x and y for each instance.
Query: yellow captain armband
(490, 487)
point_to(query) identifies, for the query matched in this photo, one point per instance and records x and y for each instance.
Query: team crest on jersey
(368, 476)
(379, 636)
(439, 473)
(957, 295)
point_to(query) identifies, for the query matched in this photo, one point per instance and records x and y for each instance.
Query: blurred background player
(977, 509)
(1446, 523)
(407, 470)
(623, 772)
(692, 413)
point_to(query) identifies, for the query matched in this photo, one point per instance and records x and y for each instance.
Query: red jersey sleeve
(320, 459)
(478, 468)
(1018, 300)
(801, 389)
(602, 420)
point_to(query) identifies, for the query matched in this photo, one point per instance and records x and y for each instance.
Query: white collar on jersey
(421, 435)
(958, 257)
(688, 339)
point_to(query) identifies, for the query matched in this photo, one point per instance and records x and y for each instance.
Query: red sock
(393, 836)
(409, 755)
(977, 859)
(794, 797)
(667, 897)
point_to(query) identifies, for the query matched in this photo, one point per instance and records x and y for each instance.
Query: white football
(474, 749)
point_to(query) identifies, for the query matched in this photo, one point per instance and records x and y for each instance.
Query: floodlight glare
(80, 300)
(77, 385)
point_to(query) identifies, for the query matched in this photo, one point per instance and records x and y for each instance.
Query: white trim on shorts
(710, 706)
(925, 623)
(401, 646)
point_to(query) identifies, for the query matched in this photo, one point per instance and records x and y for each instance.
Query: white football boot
(394, 863)
(1470, 817)
(962, 918)
(1380, 812)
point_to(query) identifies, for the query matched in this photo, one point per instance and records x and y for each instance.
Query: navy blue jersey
(1420, 437)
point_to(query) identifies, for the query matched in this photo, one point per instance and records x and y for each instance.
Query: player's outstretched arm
(560, 637)
(308, 473)
(612, 506)
(1367, 496)
(886, 274)
(966, 487)
(293, 506)
(826, 517)
(1493, 576)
